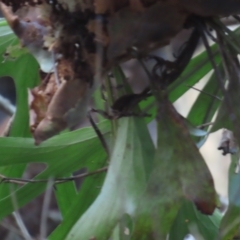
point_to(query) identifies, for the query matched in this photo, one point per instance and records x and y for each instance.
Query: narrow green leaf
(64, 154)
(195, 71)
(90, 189)
(189, 217)
(25, 75)
(59, 149)
(230, 223)
(65, 195)
(229, 114)
(206, 104)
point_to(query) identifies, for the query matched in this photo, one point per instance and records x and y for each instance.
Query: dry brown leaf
(41, 97)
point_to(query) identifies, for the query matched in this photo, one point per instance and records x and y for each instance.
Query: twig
(21, 225)
(99, 134)
(201, 91)
(205, 125)
(11, 228)
(56, 181)
(45, 208)
(213, 63)
(211, 36)
(18, 218)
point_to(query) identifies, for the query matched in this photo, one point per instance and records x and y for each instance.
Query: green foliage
(146, 190)
(189, 218)
(229, 227)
